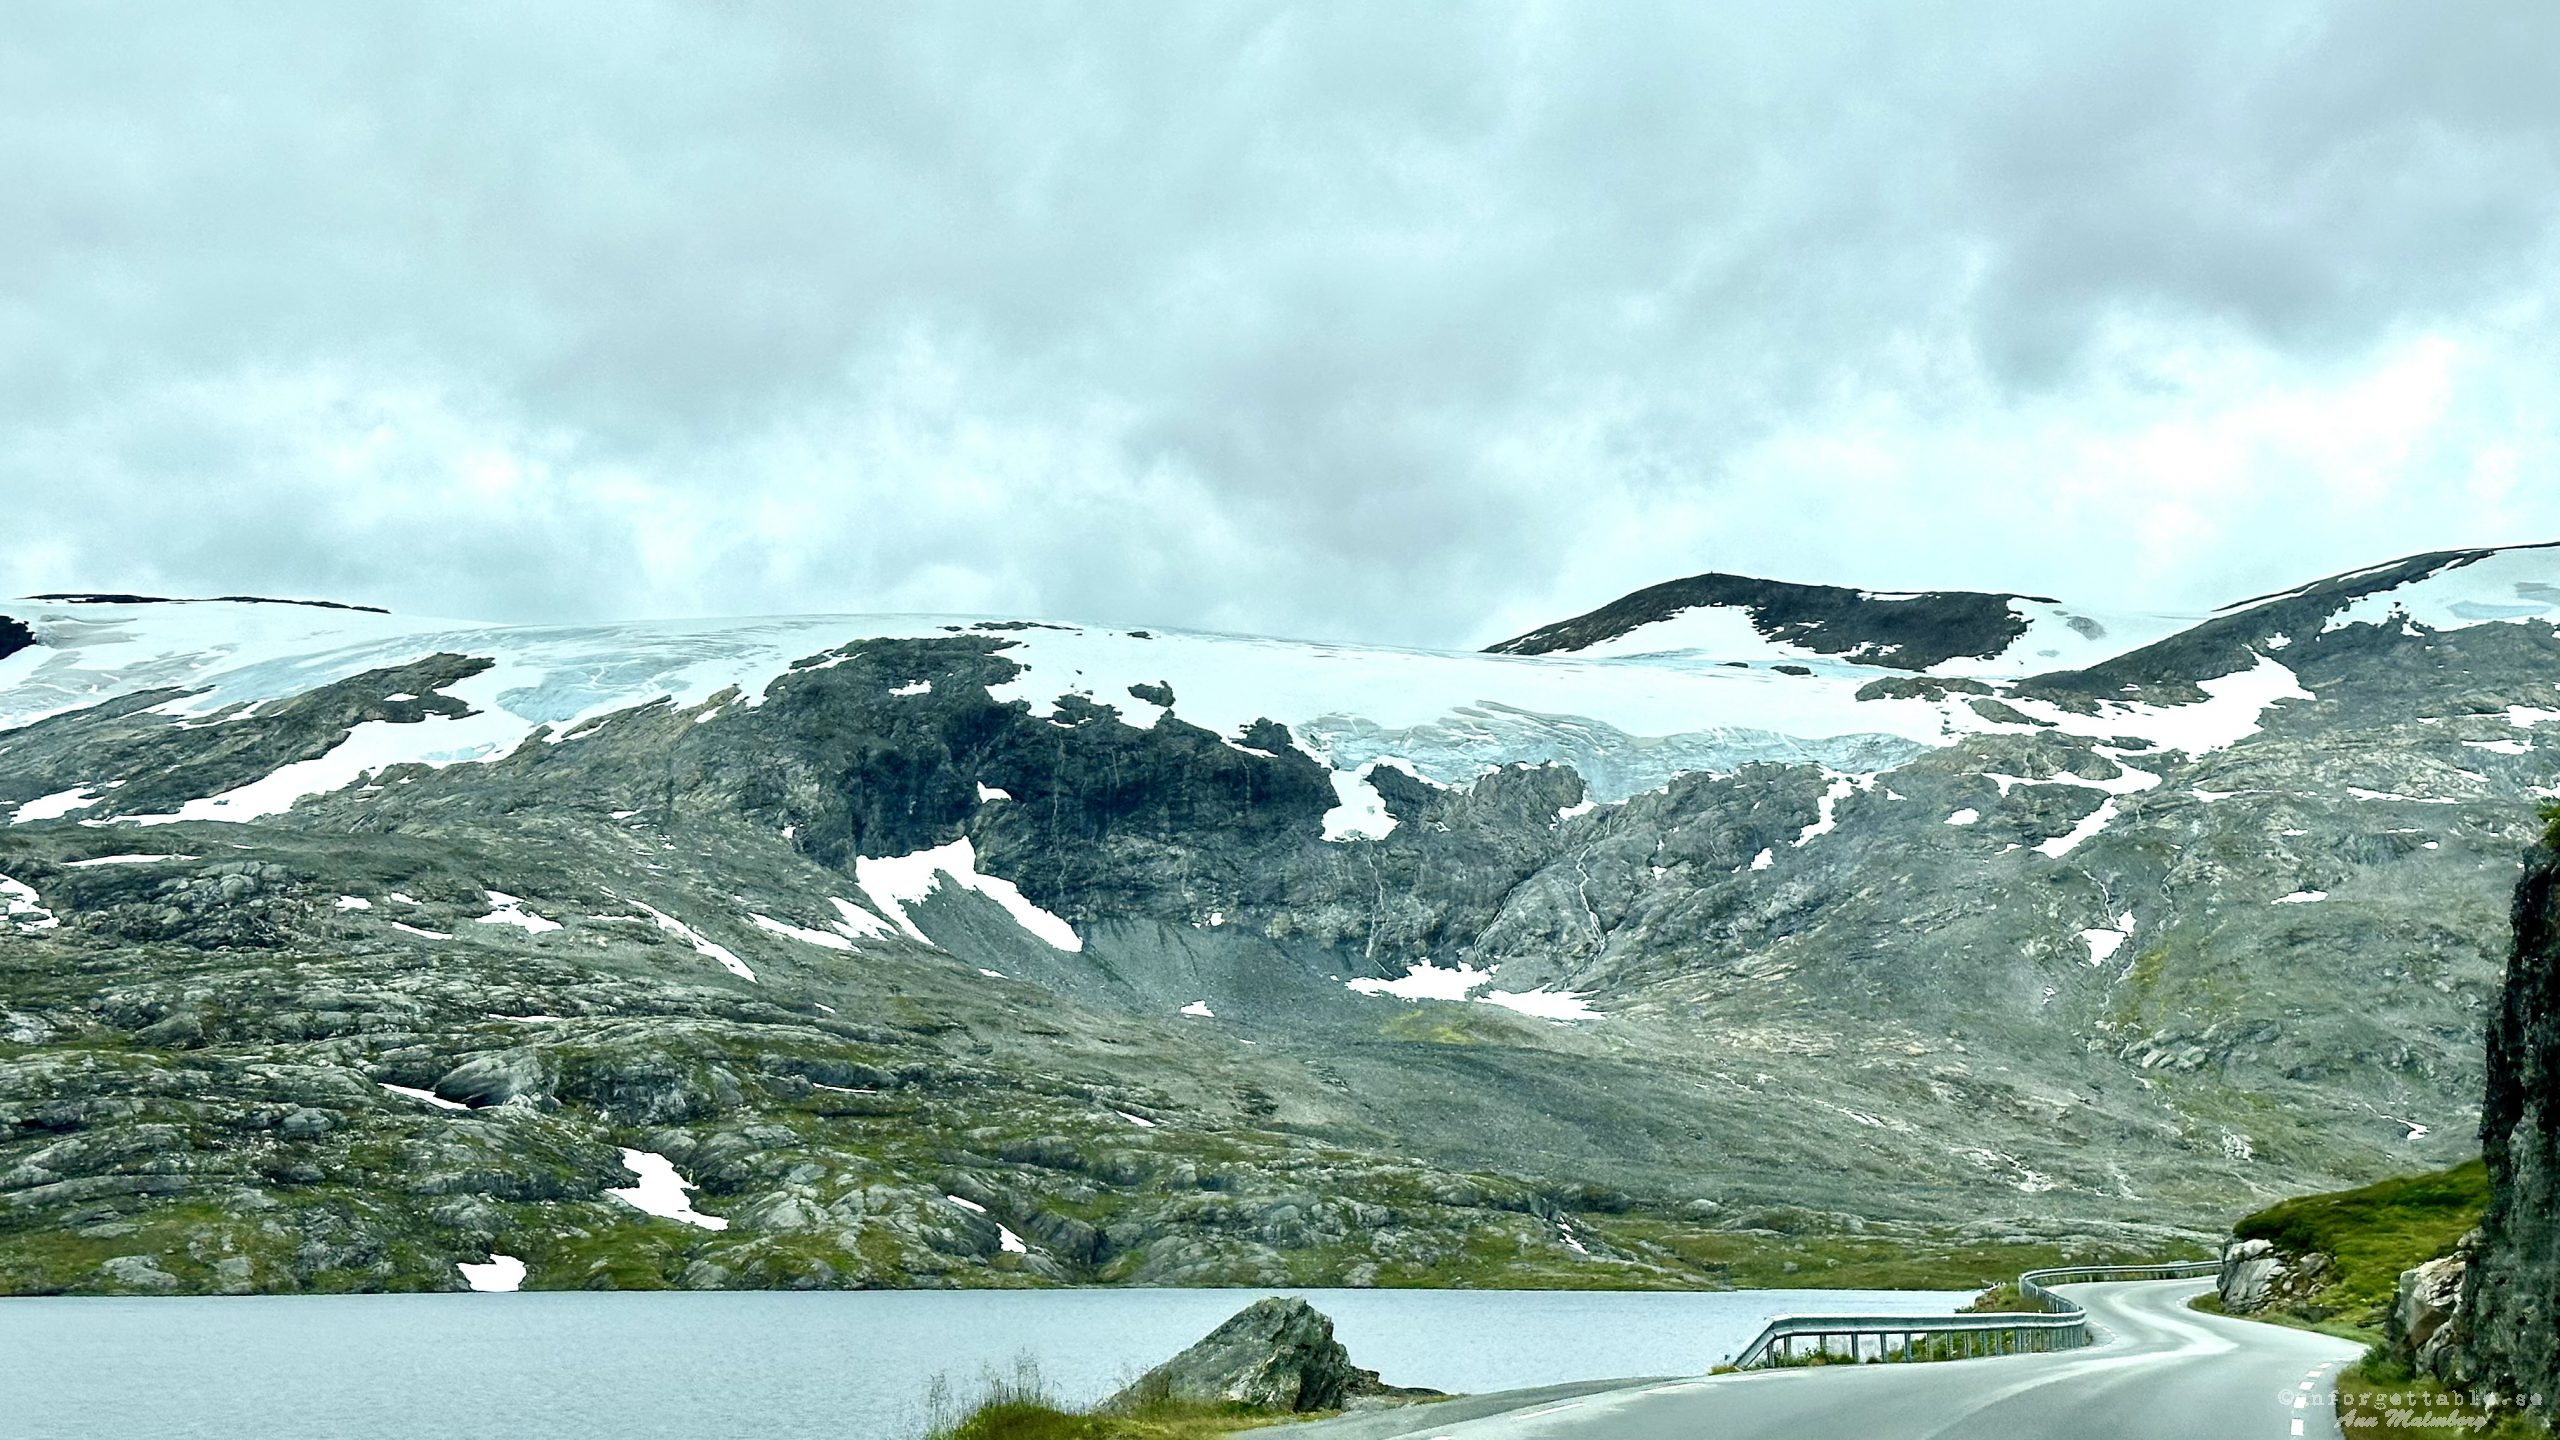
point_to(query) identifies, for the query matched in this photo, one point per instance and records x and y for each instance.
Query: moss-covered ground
(2370, 1235)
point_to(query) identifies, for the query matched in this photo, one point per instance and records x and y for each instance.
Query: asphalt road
(2159, 1372)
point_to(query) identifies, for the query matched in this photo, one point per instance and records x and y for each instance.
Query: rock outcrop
(2257, 1274)
(2249, 1267)
(1277, 1355)
(2425, 1326)
(2508, 1334)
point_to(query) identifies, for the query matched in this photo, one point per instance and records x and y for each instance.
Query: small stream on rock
(765, 1366)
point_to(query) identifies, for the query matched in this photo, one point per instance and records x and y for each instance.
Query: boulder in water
(1277, 1355)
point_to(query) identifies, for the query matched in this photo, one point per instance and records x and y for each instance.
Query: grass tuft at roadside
(1020, 1405)
(2380, 1393)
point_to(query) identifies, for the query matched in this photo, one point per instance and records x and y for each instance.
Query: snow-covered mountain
(1726, 672)
(2047, 907)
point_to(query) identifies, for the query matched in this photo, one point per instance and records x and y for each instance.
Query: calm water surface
(766, 1366)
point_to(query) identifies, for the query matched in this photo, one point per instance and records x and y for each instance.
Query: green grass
(2005, 1299)
(1020, 1406)
(1038, 1420)
(2211, 1304)
(2372, 1234)
(2551, 824)
(1451, 1025)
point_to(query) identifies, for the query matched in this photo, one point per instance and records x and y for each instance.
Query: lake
(763, 1366)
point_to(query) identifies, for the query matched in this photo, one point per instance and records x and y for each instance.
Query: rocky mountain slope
(1750, 927)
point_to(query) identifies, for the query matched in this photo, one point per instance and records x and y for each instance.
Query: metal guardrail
(2061, 1325)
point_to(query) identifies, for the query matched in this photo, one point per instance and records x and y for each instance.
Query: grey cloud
(1399, 324)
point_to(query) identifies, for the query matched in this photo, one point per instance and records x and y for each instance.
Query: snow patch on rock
(728, 959)
(1827, 813)
(823, 939)
(502, 1275)
(506, 909)
(2096, 821)
(56, 805)
(2105, 941)
(1543, 1003)
(20, 905)
(661, 1191)
(895, 882)
(1359, 811)
(855, 923)
(1426, 981)
(2233, 710)
(428, 1096)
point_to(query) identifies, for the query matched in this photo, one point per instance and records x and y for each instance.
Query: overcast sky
(1406, 323)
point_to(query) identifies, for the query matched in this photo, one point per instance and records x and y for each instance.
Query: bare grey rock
(509, 1077)
(138, 1272)
(2423, 1322)
(306, 1124)
(2248, 1268)
(1275, 1355)
(235, 1275)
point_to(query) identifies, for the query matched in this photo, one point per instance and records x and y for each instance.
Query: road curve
(2159, 1371)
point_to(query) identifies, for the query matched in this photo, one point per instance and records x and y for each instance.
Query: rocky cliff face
(2510, 1313)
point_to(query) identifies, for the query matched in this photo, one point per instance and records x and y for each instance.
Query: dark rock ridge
(1097, 805)
(99, 597)
(2290, 623)
(14, 636)
(1275, 1355)
(2509, 1331)
(1899, 633)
